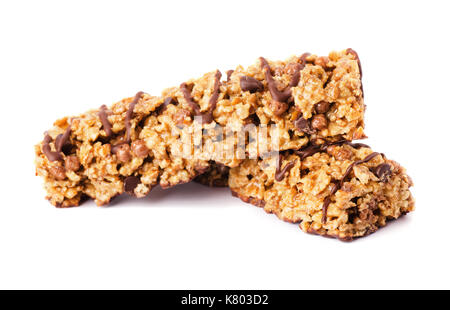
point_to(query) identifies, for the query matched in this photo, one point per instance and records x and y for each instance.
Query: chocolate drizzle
(382, 171)
(104, 119)
(338, 185)
(63, 139)
(46, 149)
(60, 142)
(356, 145)
(215, 96)
(163, 106)
(310, 150)
(229, 73)
(313, 149)
(285, 95)
(280, 173)
(207, 117)
(128, 118)
(129, 115)
(277, 95)
(188, 97)
(250, 84)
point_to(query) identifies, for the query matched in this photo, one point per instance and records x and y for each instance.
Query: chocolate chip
(58, 172)
(139, 148)
(322, 107)
(382, 171)
(122, 152)
(130, 184)
(303, 125)
(278, 107)
(251, 84)
(303, 58)
(319, 122)
(104, 119)
(296, 75)
(116, 147)
(72, 163)
(322, 61)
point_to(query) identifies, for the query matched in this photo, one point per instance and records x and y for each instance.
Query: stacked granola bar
(278, 133)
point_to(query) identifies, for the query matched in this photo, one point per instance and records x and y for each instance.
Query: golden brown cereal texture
(102, 172)
(362, 205)
(93, 167)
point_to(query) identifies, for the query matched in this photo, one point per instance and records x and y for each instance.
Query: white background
(61, 58)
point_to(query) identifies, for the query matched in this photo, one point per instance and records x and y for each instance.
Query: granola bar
(340, 190)
(105, 152)
(134, 145)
